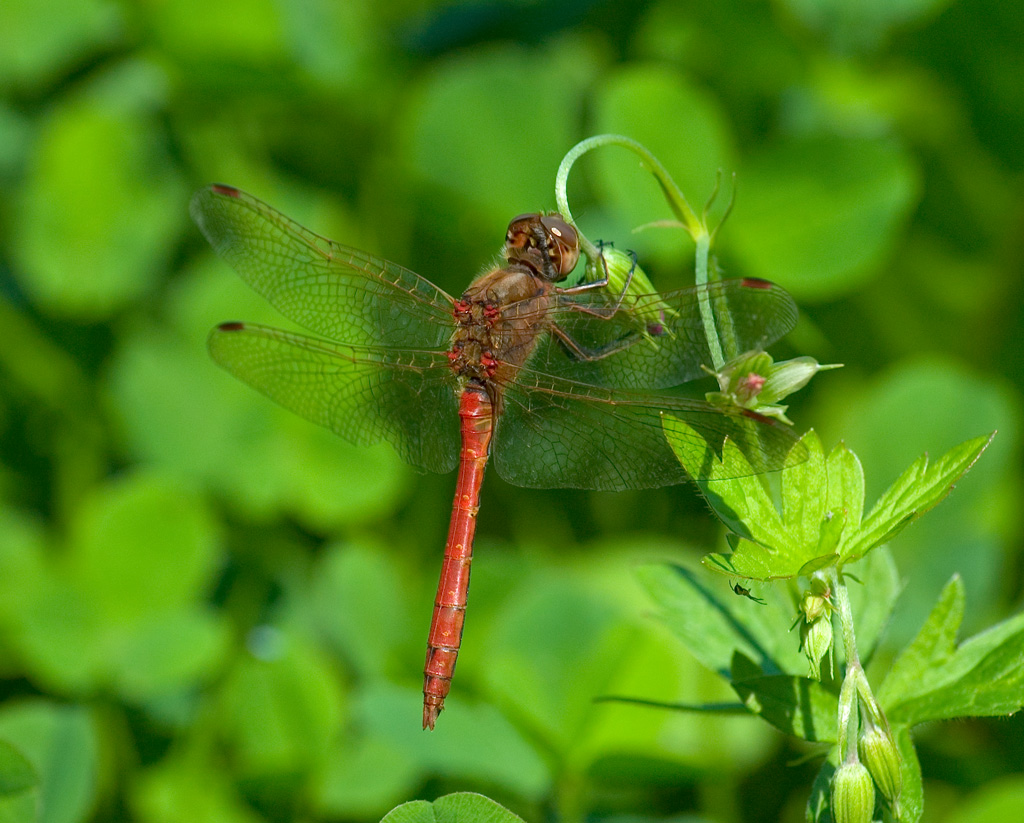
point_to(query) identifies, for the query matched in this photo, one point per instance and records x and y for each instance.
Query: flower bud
(881, 756)
(817, 642)
(626, 278)
(755, 381)
(790, 376)
(853, 794)
(816, 602)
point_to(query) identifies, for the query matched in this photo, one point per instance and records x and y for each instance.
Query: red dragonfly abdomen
(476, 413)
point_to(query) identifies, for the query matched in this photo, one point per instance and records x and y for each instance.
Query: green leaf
(849, 24)
(820, 215)
(798, 706)
(366, 776)
(280, 711)
(819, 801)
(50, 43)
(169, 653)
(142, 545)
(919, 489)
(935, 680)
(472, 742)
(99, 193)
(16, 773)
(930, 649)
(60, 743)
(775, 546)
(736, 495)
(359, 602)
(190, 783)
(180, 411)
(998, 799)
(890, 422)
(463, 807)
(822, 501)
(845, 486)
(912, 795)
(459, 120)
(714, 624)
(243, 31)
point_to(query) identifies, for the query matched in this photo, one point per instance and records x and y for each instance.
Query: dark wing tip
(233, 325)
(227, 191)
(757, 283)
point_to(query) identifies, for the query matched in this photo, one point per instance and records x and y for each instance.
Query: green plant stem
(569, 798)
(703, 242)
(696, 226)
(848, 718)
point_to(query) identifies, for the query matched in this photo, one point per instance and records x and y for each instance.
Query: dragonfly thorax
(497, 324)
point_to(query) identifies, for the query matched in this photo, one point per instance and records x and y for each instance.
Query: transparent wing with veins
(362, 393)
(657, 341)
(334, 290)
(558, 433)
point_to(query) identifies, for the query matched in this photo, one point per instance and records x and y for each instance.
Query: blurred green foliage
(212, 611)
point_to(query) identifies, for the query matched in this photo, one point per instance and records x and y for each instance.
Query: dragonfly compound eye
(563, 243)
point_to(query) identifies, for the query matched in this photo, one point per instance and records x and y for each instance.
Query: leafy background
(212, 611)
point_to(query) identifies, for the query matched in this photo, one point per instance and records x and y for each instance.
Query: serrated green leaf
(805, 537)
(798, 706)
(845, 486)
(919, 489)
(464, 807)
(734, 492)
(982, 677)
(803, 496)
(930, 649)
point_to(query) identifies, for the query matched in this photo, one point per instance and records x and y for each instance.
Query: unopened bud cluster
(756, 382)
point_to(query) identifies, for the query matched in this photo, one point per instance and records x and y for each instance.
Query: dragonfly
(561, 386)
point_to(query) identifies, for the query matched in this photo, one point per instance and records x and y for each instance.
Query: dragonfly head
(545, 243)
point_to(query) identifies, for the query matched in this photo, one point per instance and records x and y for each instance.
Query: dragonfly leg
(581, 353)
(581, 288)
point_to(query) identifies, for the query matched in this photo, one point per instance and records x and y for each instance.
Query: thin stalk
(696, 226)
(847, 717)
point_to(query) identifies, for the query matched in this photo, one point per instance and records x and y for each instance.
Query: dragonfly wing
(656, 341)
(361, 393)
(555, 433)
(328, 288)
